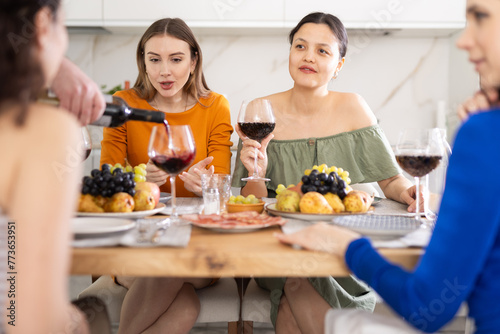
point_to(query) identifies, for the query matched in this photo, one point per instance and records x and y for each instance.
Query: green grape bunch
(240, 199)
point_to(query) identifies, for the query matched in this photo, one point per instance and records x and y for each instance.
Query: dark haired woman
(171, 80)
(316, 126)
(35, 195)
(462, 261)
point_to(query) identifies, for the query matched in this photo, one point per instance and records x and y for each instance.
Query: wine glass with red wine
(418, 152)
(172, 149)
(86, 142)
(256, 121)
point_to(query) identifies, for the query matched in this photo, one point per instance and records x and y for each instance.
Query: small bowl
(232, 208)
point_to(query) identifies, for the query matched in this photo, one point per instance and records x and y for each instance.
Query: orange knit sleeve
(114, 145)
(219, 142)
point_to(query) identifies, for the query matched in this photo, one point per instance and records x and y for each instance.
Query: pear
(335, 202)
(88, 203)
(144, 200)
(288, 201)
(120, 202)
(314, 202)
(151, 187)
(357, 201)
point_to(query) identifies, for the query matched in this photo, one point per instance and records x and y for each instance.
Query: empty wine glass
(86, 142)
(256, 121)
(172, 152)
(418, 152)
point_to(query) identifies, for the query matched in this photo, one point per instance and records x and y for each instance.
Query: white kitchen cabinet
(373, 14)
(197, 13)
(436, 17)
(83, 13)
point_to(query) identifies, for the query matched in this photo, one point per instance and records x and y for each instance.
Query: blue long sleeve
(462, 261)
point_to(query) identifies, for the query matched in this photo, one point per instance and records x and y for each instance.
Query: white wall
(402, 78)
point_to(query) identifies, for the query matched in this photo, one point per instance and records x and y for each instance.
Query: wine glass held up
(256, 121)
(172, 151)
(418, 152)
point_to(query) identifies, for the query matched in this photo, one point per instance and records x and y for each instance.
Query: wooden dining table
(215, 254)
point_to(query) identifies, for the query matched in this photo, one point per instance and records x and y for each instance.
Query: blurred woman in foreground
(40, 172)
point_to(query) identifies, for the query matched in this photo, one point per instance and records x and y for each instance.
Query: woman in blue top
(462, 261)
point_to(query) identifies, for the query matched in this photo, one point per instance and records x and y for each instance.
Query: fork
(142, 228)
(160, 231)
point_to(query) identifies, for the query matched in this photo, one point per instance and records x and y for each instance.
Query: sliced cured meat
(238, 219)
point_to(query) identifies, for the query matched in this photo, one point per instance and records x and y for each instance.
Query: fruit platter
(117, 191)
(321, 193)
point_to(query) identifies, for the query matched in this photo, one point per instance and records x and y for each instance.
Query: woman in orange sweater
(171, 80)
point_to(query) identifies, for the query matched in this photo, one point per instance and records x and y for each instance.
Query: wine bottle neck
(146, 115)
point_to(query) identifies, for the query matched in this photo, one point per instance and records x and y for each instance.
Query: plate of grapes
(320, 196)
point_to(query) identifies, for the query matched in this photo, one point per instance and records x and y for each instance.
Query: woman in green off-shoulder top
(316, 126)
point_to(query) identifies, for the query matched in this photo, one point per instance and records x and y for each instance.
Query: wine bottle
(117, 112)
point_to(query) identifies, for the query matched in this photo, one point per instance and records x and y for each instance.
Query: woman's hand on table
(155, 175)
(408, 197)
(481, 101)
(247, 153)
(192, 178)
(400, 189)
(321, 237)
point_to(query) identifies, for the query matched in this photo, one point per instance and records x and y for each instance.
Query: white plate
(271, 208)
(183, 209)
(133, 214)
(232, 229)
(92, 226)
(164, 197)
(378, 225)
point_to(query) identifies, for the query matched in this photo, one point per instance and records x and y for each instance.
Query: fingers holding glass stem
(253, 154)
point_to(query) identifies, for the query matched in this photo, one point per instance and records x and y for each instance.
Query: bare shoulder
(277, 96)
(51, 119)
(278, 100)
(356, 106)
(55, 125)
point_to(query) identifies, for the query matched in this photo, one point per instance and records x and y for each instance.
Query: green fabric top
(365, 153)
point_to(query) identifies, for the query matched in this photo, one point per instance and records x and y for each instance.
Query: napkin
(140, 236)
(417, 238)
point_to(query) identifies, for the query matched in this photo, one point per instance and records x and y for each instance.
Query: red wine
(173, 165)
(257, 130)
(418, 165)
(167, 126)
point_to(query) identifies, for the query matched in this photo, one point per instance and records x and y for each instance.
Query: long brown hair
(196, 85)
(21, 73)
